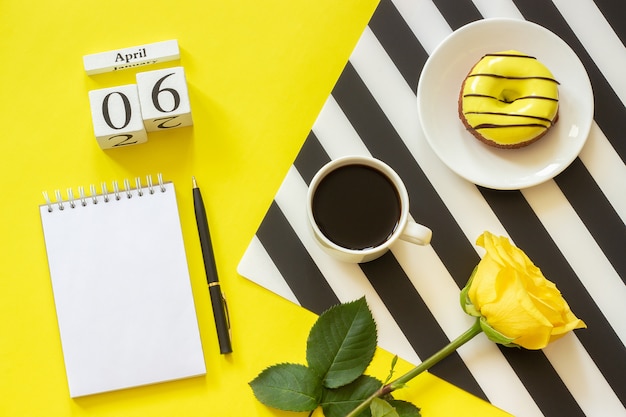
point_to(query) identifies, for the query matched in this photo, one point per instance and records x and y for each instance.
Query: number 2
(125, 141)
(164, 120)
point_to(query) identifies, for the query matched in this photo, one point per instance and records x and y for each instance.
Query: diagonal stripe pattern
(572, 226)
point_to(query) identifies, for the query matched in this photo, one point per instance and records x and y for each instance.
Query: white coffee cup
(358, 207)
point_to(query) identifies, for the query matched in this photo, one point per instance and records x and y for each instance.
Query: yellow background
(258, 73)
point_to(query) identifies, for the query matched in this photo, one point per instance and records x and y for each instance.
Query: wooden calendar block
(164, 99)
(116, 116)
(134, 56)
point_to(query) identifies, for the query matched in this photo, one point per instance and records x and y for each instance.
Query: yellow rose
(512, 297)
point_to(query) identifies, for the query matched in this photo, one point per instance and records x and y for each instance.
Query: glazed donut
(509, 99)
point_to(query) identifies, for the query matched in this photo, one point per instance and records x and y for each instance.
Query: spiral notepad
(121, 286)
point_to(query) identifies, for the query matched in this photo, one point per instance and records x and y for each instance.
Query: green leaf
(289, 387)
(342, 343)
(405, 409)
(381, 408)
(394, 361)
(340, 401)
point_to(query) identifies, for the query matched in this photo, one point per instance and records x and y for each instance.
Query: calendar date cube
(164, 99)
(116, 115)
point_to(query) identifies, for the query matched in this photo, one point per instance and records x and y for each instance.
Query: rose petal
(514, 297)
(514, 314)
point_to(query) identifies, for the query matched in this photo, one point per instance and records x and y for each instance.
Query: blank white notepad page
(122, 291)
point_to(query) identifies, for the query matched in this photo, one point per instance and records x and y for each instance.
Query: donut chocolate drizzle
(511, 115)
(494, 126)
(506, 77)
(511, 101)
(525, 82)
(510, 54)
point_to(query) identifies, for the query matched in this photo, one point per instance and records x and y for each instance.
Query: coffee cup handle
(416, 233)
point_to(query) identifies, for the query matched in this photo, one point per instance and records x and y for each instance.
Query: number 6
(156, 90)
(164, 99)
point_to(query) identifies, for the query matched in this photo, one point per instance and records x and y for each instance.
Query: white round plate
(503, 169)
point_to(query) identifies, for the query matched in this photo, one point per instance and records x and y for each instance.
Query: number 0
(157, 90)
(107, 116)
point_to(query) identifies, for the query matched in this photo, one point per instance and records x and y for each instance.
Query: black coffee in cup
(356, 206)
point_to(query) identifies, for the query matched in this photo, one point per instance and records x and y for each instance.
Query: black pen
(220, 309)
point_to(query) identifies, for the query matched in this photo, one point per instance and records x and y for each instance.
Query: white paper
(122, 292)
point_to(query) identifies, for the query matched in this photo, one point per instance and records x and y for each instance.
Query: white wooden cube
(164, 99)
(116, 115)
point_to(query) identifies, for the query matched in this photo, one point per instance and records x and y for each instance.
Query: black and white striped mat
(572, 227)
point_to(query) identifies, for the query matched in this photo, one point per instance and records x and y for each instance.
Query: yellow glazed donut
(509, 99)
